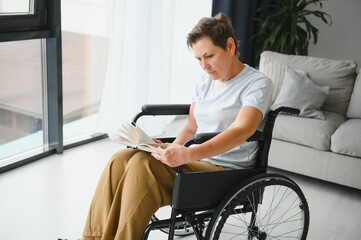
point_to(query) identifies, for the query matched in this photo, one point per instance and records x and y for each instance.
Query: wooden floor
(49, 199)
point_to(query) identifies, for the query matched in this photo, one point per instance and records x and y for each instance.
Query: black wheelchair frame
(208, 202)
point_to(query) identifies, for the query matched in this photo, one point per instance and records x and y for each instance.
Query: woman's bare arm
(245, 124)
(189, 130)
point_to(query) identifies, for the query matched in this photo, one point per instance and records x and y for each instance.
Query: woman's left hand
(174, 155)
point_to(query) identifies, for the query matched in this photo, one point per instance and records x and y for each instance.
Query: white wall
(341, 40)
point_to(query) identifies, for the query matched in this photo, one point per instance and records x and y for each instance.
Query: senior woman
(231, 98)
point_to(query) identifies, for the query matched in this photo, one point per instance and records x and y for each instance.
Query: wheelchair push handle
(288, 110)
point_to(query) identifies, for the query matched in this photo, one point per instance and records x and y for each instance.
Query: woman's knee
(124, 154)
(146, 171)
(145, 163)
(140, 160)
(119, 160)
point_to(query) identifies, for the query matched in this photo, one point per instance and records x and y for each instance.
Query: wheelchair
(232, 204)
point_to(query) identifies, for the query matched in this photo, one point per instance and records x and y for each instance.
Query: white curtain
(149, 60)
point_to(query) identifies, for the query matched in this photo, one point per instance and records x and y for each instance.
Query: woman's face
(216, 61)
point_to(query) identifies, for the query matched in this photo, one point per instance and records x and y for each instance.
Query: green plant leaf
(287, 29)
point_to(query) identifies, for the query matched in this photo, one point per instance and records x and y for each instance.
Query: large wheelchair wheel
(270, 206)
(181, 229)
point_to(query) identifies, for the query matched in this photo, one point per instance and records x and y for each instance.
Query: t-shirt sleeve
(200, 86)
(259, 94)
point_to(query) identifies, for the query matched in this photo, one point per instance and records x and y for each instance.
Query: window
(21, 97)
(23, 15)
(19, 7)
(85, 44)
(40, 79)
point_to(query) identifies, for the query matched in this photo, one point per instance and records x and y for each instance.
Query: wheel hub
(255, 232)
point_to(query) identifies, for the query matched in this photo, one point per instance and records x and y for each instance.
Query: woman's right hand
(174, 155)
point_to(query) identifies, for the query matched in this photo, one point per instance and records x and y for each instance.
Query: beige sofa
(327, 146)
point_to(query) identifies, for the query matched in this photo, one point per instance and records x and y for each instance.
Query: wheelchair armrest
(162, 109)
(165, 109)
(257, 136)
(203, 137)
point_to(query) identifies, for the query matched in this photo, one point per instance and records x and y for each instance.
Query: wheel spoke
(268, 208)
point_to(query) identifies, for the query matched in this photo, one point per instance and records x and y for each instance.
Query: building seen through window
(86, 28)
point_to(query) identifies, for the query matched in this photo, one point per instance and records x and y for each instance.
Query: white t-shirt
(218, 103)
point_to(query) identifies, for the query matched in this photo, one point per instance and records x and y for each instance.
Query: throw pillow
(276, 72)
(339, 75)
(298, 91)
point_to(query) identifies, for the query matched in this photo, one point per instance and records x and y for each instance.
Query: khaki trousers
(131, 188)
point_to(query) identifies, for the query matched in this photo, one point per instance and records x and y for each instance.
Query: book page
(126, 135)
(143, 137)
(150, 147)
(135, 137)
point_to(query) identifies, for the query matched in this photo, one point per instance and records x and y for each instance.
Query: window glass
(86, 26)
(21, 97)
(16, 7)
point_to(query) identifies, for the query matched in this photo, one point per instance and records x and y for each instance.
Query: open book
(135, 137)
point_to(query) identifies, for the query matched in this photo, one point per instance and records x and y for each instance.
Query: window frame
(44, 24)
(23, 27)
(25, 22)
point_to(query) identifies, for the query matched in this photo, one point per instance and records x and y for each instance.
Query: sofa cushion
(309, 132)
(354, 109)
(298, 91)
(347, 138)
(338, 74)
